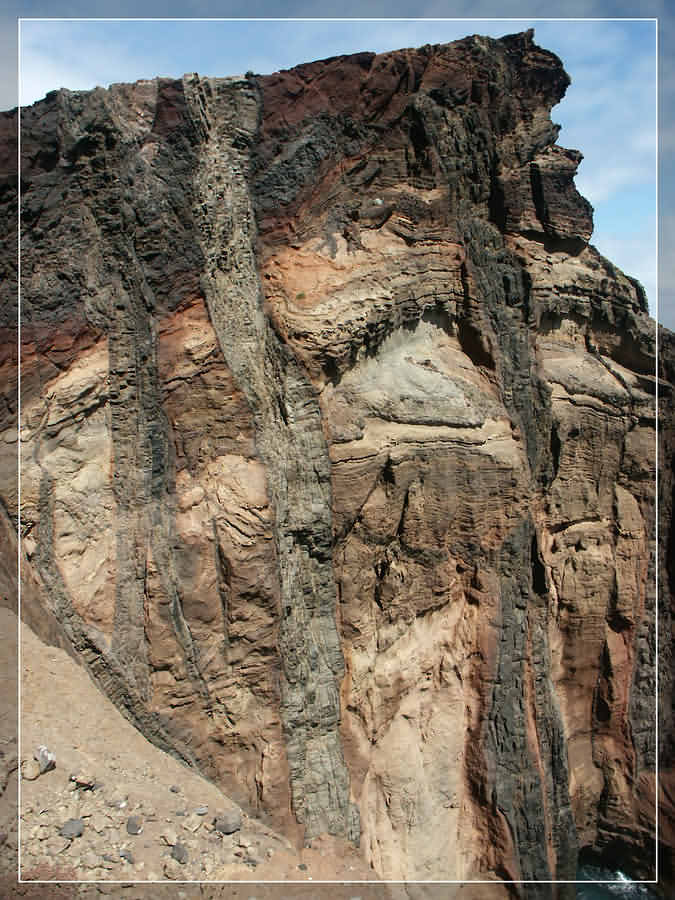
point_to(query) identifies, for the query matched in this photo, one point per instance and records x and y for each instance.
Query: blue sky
(609, 112)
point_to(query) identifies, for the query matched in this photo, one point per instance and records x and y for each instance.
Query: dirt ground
(170, 803)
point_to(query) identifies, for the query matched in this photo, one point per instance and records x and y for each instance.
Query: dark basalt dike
(338, 455)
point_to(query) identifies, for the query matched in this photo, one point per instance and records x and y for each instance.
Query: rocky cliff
(338, 454)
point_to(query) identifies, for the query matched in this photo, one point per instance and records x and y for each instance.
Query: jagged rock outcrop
(338, 453)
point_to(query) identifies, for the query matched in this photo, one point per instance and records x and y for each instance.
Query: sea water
(621, 888)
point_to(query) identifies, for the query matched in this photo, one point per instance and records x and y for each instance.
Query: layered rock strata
(338, 453)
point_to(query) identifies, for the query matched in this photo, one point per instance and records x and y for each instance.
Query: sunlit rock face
(338, 452)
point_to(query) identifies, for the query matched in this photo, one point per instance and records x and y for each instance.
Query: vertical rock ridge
(118, 301)
(290, 441)
(550, 736)
(523, 786)
(129, 350)
(530, 786)
(141, 460)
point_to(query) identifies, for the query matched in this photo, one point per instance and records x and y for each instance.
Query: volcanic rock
(228, 822)
(134, 825)
(72, 828)
(338, 467)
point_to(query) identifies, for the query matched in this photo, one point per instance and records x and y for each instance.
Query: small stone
(134, 825)
(174, 789)
(45, 759)
(269, 852)
(3, 837)
(228, 822)
(72, 828)
(201, 810)
(302, 867)
(179, 853)
(169, 837)
(30, 770)
(84, 781)
(181, 812)
(127, 855)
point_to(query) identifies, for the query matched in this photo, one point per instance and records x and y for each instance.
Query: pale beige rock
(30, 769)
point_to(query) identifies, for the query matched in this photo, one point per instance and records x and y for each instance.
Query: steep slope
(135, 780)
(338, 453)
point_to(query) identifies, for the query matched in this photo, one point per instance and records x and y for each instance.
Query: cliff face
(338, 452)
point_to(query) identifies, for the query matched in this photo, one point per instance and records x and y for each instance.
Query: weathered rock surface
(338, 454)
